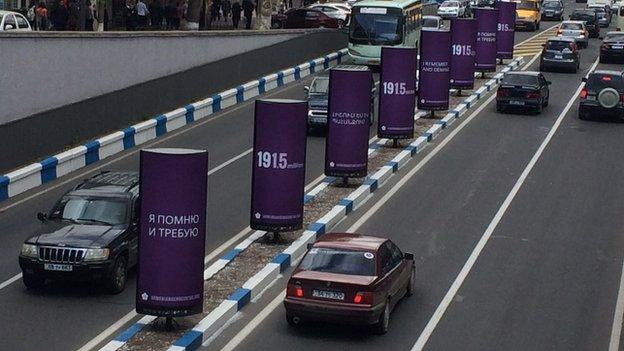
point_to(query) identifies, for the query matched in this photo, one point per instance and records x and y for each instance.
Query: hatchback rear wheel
(384, 320)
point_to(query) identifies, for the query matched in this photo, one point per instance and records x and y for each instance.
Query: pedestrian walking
(73, 14)
(89, 16)
(142, 12)
(58, 16)
(170, 13)
(248, 8)
(236, 13)
(42, 16)
(226, 8)
(156, 14)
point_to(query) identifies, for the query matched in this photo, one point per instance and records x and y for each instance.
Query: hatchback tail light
(583, 94)
(364, 298)
(502, 93)
(294, 290)
(622, 98)
(532, 95)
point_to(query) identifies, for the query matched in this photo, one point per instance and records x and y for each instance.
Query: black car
(591, 20)
(602, 96)
(552, 10)
(560, 53)
(604, 15)
(90, 234)
(612, 47)
(523, 90)
(318, 94)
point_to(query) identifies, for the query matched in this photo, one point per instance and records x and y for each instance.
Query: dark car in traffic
(552, 10)
(612, 47)
(90, 234)
(602, 96)
(560, 53)
(318, 97)
(523, 90)
(590, 17)
(604, 14)
(303, 18)
(349, 279)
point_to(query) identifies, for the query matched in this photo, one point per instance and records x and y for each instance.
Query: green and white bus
(377, 23)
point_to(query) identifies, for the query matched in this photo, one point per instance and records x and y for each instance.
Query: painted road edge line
(242, 296)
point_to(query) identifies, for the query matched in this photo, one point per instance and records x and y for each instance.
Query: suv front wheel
(116, 280)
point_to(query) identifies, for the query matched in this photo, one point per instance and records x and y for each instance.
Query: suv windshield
(527, 5)
(375, 26)
(99, 210)
(519, 79)
(614, 37)
(339, 261)
(599, 81)
(319, 86)
(558, 45)
(450, 4)
(583, 15)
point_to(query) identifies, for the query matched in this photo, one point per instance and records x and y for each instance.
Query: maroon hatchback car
(349, 278)
(303, 18)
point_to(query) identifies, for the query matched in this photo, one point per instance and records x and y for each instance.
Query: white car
(341, 12)
(451, 9)
(13, 21)
(434, 22)
(576, 30)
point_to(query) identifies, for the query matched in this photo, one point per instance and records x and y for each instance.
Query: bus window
(376, 28)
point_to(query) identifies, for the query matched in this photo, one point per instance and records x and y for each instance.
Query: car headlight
(96, 254)
(29, 250)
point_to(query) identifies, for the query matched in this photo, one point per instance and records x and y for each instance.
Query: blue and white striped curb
(284, 260)
(123, 338)
(53, 167)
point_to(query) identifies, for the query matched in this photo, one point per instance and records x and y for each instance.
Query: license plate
(58, 267)
(559, 57)
(514, 102)
(328, 294)
(618, 46)
(590, 97)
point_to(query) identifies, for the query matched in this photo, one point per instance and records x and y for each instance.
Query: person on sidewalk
(248, 8)
(42, 16)
(156, 14)
(236, 13)
(142, 12)
(58, 16)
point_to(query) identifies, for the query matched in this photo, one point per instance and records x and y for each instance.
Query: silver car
(576, 30)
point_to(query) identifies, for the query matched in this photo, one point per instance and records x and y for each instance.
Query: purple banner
(397, 87)
(434, 70)
(172, 232)
(464, 43)
(278, 173)
(505, 34)
(350, 108)
(485, 59)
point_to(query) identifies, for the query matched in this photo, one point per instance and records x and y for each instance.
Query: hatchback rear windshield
(339, 261)
(527, 5)
(614, 37)
(572, 26)
(430, 23)
(519, 79)
(552, 4)
(558, 45)
(597, 81)
(583, 14)
(319, 86)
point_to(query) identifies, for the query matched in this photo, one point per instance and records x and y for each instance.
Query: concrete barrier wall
(42, 71)
(51, 131)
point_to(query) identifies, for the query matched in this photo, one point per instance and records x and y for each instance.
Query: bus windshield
(376, 29)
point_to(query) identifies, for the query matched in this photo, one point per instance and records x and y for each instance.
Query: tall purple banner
(278, 173)
(464, 43)
(434, 70)
(487, 24)
(172, 232)
(350, 108)
(506, 29)
(397, 87)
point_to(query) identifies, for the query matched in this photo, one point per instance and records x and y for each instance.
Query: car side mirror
(309, 246)
(584, 79)
(9, 27)
(306, 89)
(548, 82)
(408, 256)
(42, 216)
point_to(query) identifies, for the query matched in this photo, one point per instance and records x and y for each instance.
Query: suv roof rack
(128, 180)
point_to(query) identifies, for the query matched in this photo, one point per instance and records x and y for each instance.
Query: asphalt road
(547, 278)
(458, 193)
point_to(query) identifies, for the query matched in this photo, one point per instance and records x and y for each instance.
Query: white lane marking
(249, 328)
(461, 277)
(535, 36)
(616, 328)
(230, 161)
(106, 333)
(10, 281)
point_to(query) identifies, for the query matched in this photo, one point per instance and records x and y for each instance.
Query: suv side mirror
(306, 89)
(42, 216)
(408, 256)
(309, 246)
(548, 82)
(584, 79)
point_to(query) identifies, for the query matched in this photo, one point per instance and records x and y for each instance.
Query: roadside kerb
(192, 339)
(53, 167)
